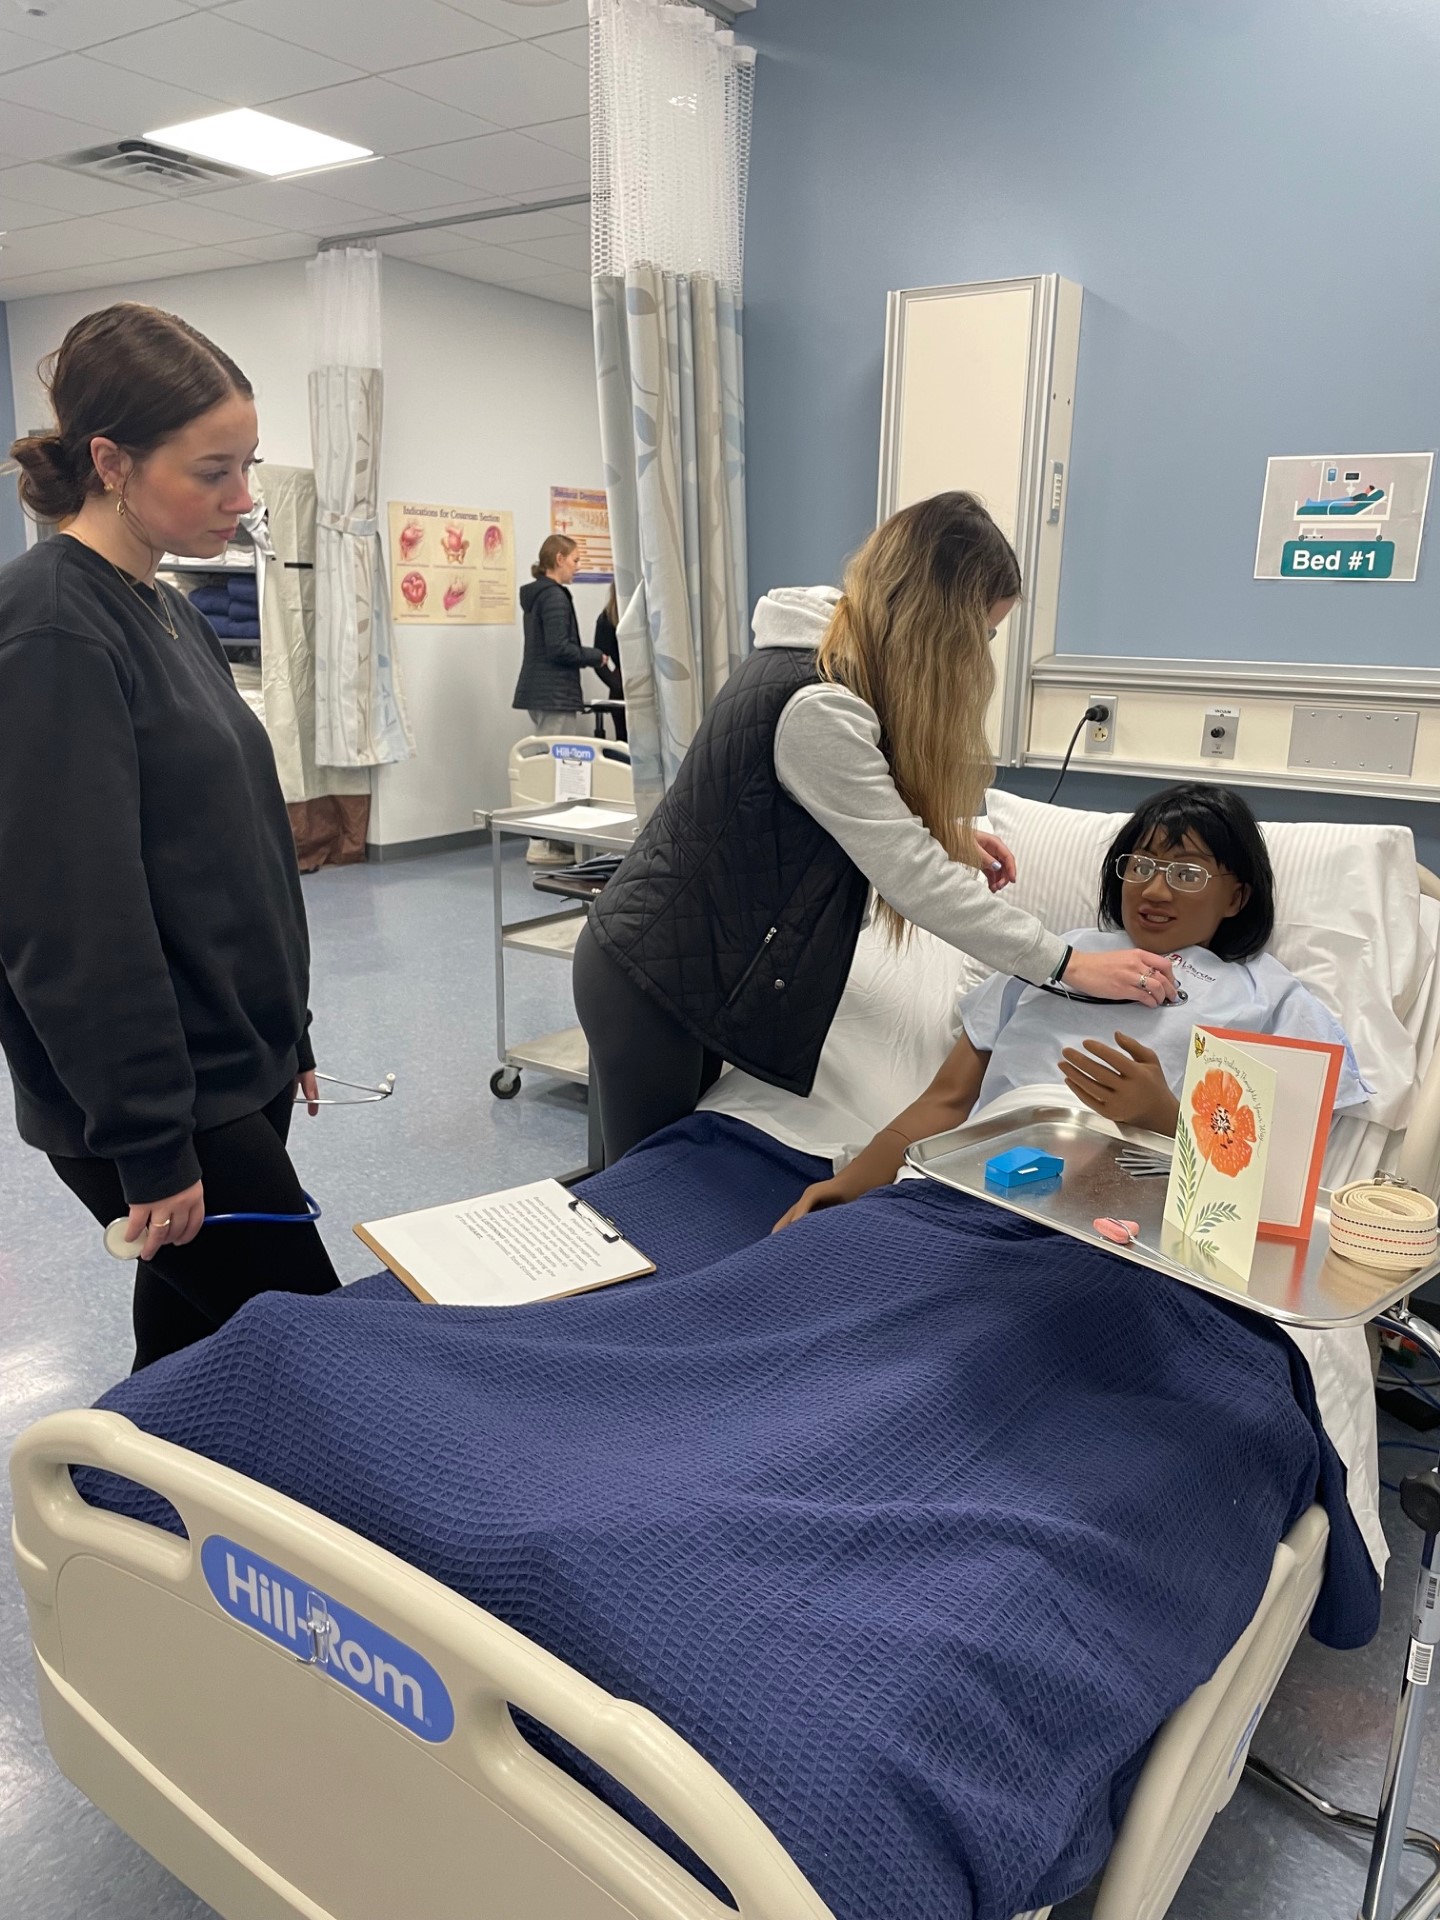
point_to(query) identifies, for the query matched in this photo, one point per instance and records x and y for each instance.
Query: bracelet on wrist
(1059, 973)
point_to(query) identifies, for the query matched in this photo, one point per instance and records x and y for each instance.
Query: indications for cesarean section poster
(451, 566)
(1351, 516)
(583, 513)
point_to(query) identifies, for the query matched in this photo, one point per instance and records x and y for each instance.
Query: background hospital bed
(248, 1773)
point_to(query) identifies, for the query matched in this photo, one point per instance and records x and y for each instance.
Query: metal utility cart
(561, 1054)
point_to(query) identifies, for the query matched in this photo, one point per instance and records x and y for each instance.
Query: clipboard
(518, 1247)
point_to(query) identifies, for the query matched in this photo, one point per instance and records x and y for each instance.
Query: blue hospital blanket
(915, 1520)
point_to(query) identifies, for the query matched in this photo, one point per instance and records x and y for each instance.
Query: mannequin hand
(825, 1193)
(173, 1222)
(306, 1084)
(1125, 1083)
(999, 867)
(1129, 975)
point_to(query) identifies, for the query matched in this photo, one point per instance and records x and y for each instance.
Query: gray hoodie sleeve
(828, 758)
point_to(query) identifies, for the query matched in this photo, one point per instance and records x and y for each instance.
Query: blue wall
(1246, 189)
(12, 525)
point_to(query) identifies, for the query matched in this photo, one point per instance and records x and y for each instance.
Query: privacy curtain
(360, 718)
(329, 806)
(670, 132)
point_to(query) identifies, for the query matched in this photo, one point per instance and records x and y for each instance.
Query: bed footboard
(301, 1727)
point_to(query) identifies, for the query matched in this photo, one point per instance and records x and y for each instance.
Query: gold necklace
(162, 613)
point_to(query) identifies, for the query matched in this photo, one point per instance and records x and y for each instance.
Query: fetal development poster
(451, 566)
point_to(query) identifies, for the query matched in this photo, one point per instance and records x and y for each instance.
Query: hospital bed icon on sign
(1353, 496)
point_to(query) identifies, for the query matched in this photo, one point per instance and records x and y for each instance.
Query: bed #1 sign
(582, 514)
(1353, 516)
(451, 566)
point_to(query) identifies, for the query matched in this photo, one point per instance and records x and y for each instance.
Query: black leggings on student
(646, 1070)
(186, 1292)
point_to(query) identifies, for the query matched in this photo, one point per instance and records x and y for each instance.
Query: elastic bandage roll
(1381, 1224)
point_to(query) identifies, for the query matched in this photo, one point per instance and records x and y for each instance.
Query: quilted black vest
(735, 909)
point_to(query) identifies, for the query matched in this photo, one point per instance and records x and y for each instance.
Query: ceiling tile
(15, 213)
(275, 246)
(16, 52)
(66, 192)
(571, 136)
(513, 86)
(526, 21)
(85, 23)
(572, 251)
(88, 241)
(386, 186)
(573, 46)
(278, 203)
(194, 222)
(375, 34)
(376, 114)
(79, 85)
(242, 68)
(507, 163)
(427, 247)
(168, 266)
(521, 226)
(26, 134)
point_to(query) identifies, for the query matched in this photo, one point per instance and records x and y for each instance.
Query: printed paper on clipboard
(1307, 1075)
(509, 1249)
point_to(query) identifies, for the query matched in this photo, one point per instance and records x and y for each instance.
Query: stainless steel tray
(1300, 1285)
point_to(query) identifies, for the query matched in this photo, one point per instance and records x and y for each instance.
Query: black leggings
(645, 1069)
(186, 1292)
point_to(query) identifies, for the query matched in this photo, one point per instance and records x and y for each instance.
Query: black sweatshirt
(154, 960)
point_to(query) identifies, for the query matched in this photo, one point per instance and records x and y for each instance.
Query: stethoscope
(122, 1247)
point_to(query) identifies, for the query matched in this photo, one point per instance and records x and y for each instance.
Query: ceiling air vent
(139, 163)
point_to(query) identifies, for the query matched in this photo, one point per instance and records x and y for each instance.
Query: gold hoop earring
(120, 506)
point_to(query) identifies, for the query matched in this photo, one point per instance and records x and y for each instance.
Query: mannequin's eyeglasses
(1185, 876)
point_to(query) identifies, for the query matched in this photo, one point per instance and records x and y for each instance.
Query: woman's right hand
(168, 1223)
(1147, 978)
(834, 1192)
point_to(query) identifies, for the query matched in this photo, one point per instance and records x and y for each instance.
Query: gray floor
(403, 984)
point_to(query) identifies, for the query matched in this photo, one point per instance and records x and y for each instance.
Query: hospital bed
(249, 1775)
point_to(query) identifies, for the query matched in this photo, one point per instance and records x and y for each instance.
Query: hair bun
(50, 483)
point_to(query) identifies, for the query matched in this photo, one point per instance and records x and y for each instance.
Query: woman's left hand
(308, 1085)
(1126, 1086)
(998, 861)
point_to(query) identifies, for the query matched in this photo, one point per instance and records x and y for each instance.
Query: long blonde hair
(911, 636)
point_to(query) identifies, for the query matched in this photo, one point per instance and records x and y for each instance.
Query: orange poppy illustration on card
(1224, 1126)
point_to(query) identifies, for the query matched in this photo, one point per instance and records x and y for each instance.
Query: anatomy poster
(584, 514)
(1352, 516)
(451, 567)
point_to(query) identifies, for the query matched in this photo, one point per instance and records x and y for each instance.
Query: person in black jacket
(549, 683)
(607, 642)
(154, 958)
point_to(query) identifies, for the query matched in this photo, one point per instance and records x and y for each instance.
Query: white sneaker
(549, 853)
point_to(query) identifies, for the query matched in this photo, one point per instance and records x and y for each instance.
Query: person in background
(154, 958)
(607, 642)
(549, 684)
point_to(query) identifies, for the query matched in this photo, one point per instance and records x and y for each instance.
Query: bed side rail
(486, 1666)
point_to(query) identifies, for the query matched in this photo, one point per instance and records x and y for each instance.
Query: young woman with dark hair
(154, 958)
(1187, 876)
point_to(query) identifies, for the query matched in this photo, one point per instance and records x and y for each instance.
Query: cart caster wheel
(505, 1083)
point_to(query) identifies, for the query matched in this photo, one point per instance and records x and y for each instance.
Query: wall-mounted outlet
(1218, 735)
(1100, 734)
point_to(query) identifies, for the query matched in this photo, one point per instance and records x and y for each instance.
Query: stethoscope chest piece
(116, 1243)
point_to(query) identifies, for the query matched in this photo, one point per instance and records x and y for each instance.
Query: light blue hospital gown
(1023, 1028)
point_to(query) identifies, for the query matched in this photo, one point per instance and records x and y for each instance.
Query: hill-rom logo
(345, 1645)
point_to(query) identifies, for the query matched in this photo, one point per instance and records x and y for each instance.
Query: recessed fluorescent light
(259, 142)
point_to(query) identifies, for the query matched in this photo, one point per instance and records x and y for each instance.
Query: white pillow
(1347, 918)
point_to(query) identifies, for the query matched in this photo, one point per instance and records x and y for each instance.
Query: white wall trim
(1276, 679)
